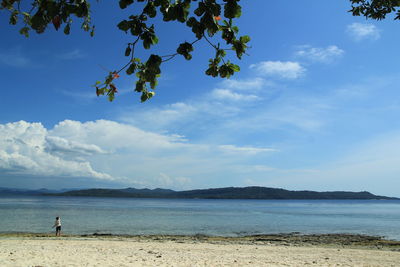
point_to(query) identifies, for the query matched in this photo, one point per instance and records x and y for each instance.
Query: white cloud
(109, 150)
(14, 58)
(261, 168)
(193, 112)
(245, 85)
(305, 117)
(231, 107)
(319, 54)
(57, 144)
(27, 148)
(286, 113)
(280, 69)
(166, 181)
(74, 54)
(162, 117)
(226, 94)
(248, 150)
(362, 31)
(80, 96)
(111, 136)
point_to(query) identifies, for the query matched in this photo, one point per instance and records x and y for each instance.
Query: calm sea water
(85, 215)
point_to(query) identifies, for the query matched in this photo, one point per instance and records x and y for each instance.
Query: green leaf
(212, 70)
(128, 51)
(182, 11)
(67, 28)
(131, 69)
(149, 38)
(140, 86)
(221, 53)
(154, 62)
(184, 49)
(239, 47)
(197, 27)
(235, 68)
(210, 25)
(245, 39)
(24, 31)
(14, 17)
(153, 83)
(146, 96)
(125, 3)
(124, 26)
(232, 9)
(150, 9)
(200, 10)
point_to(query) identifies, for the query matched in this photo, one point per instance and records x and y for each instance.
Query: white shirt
(57, 223)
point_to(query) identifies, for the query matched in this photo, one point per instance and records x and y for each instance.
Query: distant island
(252, 192)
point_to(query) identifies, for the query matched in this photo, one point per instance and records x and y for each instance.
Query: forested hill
(253, 192)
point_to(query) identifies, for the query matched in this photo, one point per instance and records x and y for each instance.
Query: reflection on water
(86, 215)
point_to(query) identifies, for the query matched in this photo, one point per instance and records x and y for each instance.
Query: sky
(315, 106)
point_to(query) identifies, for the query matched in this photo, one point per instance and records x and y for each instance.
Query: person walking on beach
(57, 225)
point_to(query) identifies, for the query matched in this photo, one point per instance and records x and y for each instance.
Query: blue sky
(315, 106)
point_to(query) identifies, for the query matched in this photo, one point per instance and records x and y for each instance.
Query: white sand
(95, 252)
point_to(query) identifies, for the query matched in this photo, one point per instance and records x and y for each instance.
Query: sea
(214, 217)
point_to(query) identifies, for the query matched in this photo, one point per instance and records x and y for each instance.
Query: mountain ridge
(251, 192)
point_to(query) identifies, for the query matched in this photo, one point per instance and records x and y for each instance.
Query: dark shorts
(58, 228)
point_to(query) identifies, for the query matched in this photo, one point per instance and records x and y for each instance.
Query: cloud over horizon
(108, 150)
(27, 148)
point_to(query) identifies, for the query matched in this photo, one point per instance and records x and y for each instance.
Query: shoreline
(343, 240)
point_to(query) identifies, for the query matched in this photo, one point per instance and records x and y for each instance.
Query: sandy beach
(21, 250)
